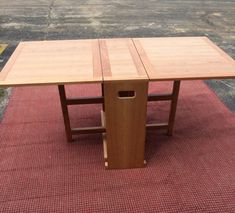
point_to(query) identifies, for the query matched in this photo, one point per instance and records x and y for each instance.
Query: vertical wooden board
(125, 123)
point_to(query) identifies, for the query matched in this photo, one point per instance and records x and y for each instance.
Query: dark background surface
(75, 19)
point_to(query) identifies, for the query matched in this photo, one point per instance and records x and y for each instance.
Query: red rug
(192, 171)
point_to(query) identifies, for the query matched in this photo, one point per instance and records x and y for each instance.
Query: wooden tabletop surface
(53, 62)
(98, 60)
(173, 58)
(120, 60)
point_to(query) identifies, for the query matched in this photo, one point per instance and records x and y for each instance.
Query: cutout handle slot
(126, 94)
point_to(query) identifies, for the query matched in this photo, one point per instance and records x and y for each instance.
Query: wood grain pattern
(125, 124)
(179, 58)
(97, 68)
(144, 58)
(84, 61)
(136, 59)
(53, 62)
(230, 59)
(105, 63)
(120, 60)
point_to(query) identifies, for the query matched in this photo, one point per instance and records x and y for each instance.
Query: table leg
(174, 100)
(65, 112)
(102, 91)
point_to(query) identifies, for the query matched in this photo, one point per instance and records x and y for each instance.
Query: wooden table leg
(102, 90)
(175, 94)
(65, 112)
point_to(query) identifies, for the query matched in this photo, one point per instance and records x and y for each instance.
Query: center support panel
(125, 119)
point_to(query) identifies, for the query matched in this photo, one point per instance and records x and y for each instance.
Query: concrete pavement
(74, 19)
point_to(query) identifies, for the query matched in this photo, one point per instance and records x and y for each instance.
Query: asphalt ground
(76, 19)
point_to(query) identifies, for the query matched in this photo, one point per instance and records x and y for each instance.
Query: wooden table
(124, 68)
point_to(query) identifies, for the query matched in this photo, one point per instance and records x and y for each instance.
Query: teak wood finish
(53, 62)
(125, 92)
(120, 60)
(125, 120)
(123, 67)
(79, 61)
(183, 58)
(174, 100)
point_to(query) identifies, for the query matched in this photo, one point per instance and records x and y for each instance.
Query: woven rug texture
(192, 171)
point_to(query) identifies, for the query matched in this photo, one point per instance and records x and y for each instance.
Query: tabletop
(179, 58)
(99, 60)
(53, 62)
